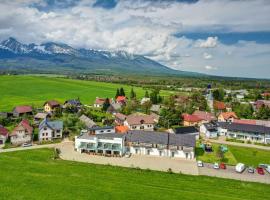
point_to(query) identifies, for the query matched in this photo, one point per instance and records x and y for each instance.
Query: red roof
(121, 129)
(204, 115)
(219, 105)
(23, 109)
(227, 115)
(245, 121)
(52, 103)
(266, 94)
(121, 98)
(191, 118)
(3, 131)
(23, 124)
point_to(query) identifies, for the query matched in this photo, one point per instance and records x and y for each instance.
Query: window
(172, 154)
(134, 127)
(46, 134)
(141, 127)
(43, 134)
(136, 151)
(45, 128)
(148, 152)
(160, 153)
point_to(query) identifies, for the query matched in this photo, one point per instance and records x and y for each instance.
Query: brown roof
(190, 118)
(52, 103)
(23, 109)
(227, 115)
(120, 116)
(23, 125)
(219, 105)
(204, 115)
(136, 119)
(121, 129)
(3, 131)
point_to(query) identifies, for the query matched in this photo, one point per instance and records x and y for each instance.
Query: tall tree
(122, 92)
(117, 93)
(132, 94)
(106, 104)
(146, 94)
(218, 94)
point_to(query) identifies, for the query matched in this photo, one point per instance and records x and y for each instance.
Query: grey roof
(74, 102)
(212, 127)
(160, 138)
(185, 130)
(101, 136)
(87, 121)
(100, 128)
(55, 125)
(244, 127)
(155, 108)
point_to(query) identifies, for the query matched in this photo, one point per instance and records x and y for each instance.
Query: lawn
(235, 154)
(33, 174)
(35, 90)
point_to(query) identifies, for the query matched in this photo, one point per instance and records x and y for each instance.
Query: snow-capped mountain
(62, 58)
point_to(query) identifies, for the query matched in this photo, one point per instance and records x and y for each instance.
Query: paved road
(31, 147)
(230, 173)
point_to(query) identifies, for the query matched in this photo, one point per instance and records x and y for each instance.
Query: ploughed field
(34, 174)
(35, 90)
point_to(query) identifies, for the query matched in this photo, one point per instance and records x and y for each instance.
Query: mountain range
(61, 58)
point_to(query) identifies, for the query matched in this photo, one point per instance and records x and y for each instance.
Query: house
(188, 130)
(22, 110)
(99, 102)
(219, 106)
(120, 118)
(227, 117)
(121, 100)
(101, 130)
(266, 95)
(155, 108)
(160, 144)
(140, 122)
(51, 106)
(121, 129)
(105, 144)
(40, 116)
(22, 133)
(259, 103)
(73, 103)
(204, 116)
(191, 120)
(144, 100)
(89, 123)
(3, 135)
(114, 108)
(50, 130)
(209, 130)
(246, 132)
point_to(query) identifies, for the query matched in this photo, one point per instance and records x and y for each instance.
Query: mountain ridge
(53, 57)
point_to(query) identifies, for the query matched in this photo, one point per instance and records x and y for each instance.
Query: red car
(222, 166)
(260, 170)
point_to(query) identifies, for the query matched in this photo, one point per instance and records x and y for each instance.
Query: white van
(240, 167)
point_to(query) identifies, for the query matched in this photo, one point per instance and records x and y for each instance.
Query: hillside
(63, 59)
(35, 90)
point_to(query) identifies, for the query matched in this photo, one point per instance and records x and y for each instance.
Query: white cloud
(208, 67)
(210, 42)
(207, 56)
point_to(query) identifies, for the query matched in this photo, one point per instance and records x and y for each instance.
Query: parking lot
(230, 172)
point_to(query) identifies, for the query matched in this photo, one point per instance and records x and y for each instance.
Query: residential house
(204, 116)
(22, 110)
(227, 117)
(101, 130)
(50, 130)
(219, 106)
(144, 100)
(191, 120)
(104, 144)
(121, 100)
(155, 108)
(120, 118)
(114, 108)
(160, 144)
(51, 106)
(259, 103)
(3, 135)
(99, 102)
(209, 130)
(246, 132)
(89, 123)
(121, 129)
(22, 133)
(74, 104)
(140, 122)
(188, 130)
(40, 116)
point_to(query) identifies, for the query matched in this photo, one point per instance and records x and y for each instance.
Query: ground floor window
(160, 153)
(172, 154)
(148, 151)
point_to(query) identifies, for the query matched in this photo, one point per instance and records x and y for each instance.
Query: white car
(216, 166)
(268, 169)
(199, 163)
(240, 167)
(26, 145)
(127, 155)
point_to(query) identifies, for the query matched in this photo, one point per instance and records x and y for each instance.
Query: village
(174, 129)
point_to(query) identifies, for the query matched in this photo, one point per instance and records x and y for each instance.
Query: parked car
(268, 169)
(260, 170)
(251, 170)
(127, 155)
(240, 167)
(199, 163)
(216, 166)
(263, 166)
(222, 166)
(26, 145)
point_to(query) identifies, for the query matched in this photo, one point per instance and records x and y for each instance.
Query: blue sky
(224, 37)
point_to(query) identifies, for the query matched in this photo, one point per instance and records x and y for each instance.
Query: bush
(170, 171)
(234, 140)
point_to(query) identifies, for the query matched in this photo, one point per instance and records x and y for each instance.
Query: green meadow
(35, 90)
(33, 174)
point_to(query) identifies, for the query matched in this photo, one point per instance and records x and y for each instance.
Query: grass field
(35, 90)
(35, 175)
(235, 154)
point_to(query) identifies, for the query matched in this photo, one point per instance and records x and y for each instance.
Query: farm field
(35, 90)
(234, 155)
(33, 174)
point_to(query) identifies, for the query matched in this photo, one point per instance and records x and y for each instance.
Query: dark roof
(160, 138)
(54, 125)
(100, 128)
(185, 130)
(52, 103)
(210, 126)
(245, 127)
(101, 136)
(73, 102)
